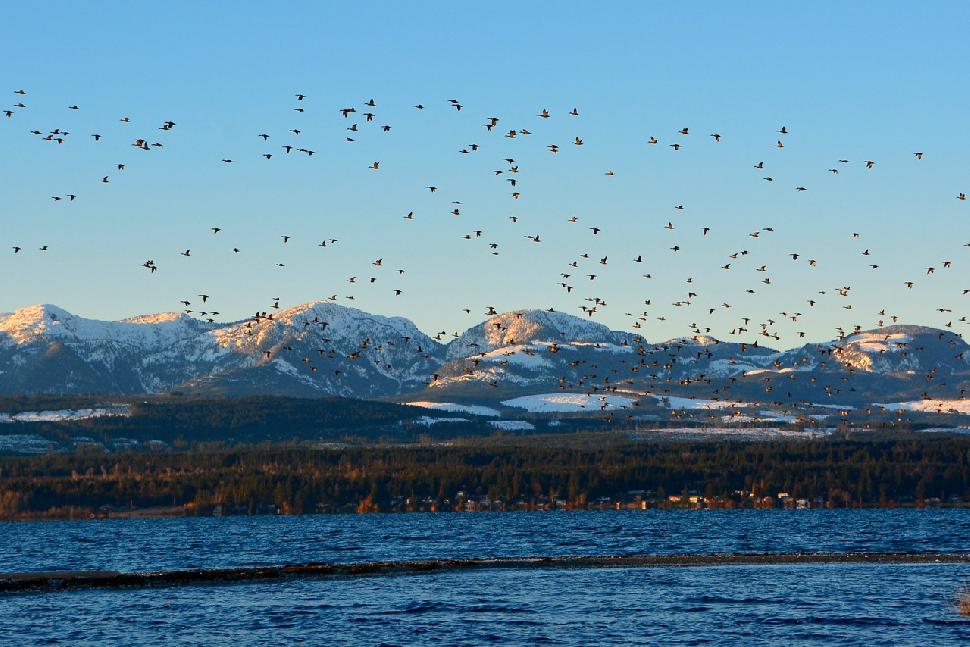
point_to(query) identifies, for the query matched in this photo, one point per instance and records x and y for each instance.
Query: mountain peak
(525, 327)
(48, 322)
(902, 329)
(38, 311)
(32, 321)
(323, 310)
(156, 318)
(897, 348)
(337, 318)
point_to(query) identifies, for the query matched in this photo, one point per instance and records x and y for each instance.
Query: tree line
(299, 480)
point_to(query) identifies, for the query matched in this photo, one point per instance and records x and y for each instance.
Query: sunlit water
(751, 605)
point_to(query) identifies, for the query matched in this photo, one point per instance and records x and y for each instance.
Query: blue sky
(858, 81)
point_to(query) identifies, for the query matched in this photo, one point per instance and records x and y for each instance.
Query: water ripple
(790, 604)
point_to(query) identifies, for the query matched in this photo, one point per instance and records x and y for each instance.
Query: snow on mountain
(317, 348)
(540, 357)
(695, 340)
(322, 348)
(47, 322)
(363, 354)
(525, 356)
(892, 349)
(525, 327)
(45, 349)
(531, 348)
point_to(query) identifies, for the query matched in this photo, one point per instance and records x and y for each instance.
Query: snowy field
(568, 402)
(930, 406)
(427, 421)
(512, 425)
(945, 430)
(63, 415)
(451, 407)
(25, 444)
(732, 433)
(675, 402)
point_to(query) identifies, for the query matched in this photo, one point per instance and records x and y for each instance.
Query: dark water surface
(883, 604)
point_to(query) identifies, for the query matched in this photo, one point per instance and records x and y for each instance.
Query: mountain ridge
(324, 348)
(330, 306)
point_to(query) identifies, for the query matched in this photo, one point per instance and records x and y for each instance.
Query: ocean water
(873, 604)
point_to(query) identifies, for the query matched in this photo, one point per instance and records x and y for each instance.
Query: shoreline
(55, 581)
(189, 512)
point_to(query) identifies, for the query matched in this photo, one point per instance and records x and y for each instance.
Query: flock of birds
(575, 274)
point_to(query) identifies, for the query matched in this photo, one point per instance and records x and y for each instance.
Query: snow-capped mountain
(322, 348)
(529, 348)
(531, 351)
(525, 327)
(894, 349)
(316, 348)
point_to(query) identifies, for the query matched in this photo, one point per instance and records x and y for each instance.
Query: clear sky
(858, 81)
